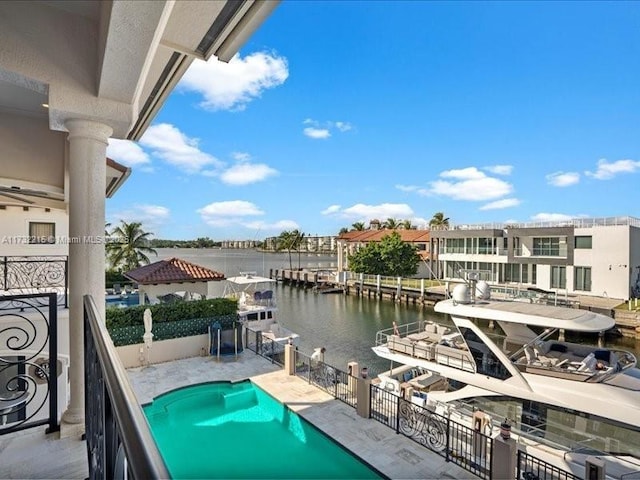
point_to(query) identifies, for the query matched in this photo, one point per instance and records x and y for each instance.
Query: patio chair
(117, 289)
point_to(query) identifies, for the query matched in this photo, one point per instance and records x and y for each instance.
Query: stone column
(87, 185)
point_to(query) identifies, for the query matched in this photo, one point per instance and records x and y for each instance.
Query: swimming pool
(122, 301)
(236, 430)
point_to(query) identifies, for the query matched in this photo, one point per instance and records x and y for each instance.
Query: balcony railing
(35, 274)
(119, 441)
(554, 252)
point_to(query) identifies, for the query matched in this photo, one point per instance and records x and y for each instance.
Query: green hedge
(171, 312)
(132, 334)
(112, 277)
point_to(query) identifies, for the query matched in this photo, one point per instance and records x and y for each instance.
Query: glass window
(582, 279)
(546, 246)
(583, 242)
(534, 274)
(40, 232)
(486, 361)
(558, 277)
(454, 245)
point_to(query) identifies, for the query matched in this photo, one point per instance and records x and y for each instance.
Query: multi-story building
(310, 243)
(596, 256)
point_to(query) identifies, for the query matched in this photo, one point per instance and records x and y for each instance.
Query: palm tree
(289, 240)
(343, 230)
(391, 224)
(439, 222)
(359, 226)
(407, 225)
(131, 246)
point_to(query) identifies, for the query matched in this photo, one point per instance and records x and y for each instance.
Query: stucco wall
(40, 161)
(14, 231)
(164, 350)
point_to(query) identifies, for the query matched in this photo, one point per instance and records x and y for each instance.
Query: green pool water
(225, 430)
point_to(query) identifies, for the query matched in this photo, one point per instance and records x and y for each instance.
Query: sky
(336, 112)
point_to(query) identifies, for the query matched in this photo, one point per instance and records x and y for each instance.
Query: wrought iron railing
(32, 274)
(338, 383)
(458, 443)
(264, 346)
(532, 468)
(119, 440)
(29, 362)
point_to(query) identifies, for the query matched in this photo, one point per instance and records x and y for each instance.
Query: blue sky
(338, 112)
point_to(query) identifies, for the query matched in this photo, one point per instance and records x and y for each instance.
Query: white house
(594, 257)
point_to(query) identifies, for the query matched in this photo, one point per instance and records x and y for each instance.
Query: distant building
(309, 244)
(596, 256)
(239, 243)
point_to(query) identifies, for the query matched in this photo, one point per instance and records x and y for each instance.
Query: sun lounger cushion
(430, 328)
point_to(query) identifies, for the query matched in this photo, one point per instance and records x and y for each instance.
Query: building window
(546, 247)
(558, 277)
(486, 246)
(41, 232)
(583, 242)
(454, 245)
(582, 278)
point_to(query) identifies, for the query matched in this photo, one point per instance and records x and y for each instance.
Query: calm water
(345, 325)
(224, 430)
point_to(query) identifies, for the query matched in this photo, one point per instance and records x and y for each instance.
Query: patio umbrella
(148, 336)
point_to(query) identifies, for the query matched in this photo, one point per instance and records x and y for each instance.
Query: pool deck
(393, 455)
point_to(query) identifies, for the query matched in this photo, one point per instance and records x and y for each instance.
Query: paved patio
(393, 455)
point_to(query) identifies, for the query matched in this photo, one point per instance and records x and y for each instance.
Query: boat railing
(382, 336)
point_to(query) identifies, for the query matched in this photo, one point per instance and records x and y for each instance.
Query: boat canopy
(250, 279)
(532, 314)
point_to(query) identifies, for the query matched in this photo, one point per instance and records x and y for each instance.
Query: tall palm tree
(407, 225)
(343, 230)
(131, 246)
(391, 224)
(359, 226)
(289, 240)
(438, 221)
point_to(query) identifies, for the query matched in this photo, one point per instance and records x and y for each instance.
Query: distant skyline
(340, 112)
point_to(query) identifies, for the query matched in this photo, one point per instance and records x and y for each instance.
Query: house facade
(593, 257)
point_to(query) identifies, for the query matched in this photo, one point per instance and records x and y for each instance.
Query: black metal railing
(35, 274)
(29, 365)
(532, 468)
(338, 383)
(119, 440)
(458, 443)
(260, 344)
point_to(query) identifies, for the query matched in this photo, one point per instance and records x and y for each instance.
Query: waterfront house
(73, 75)
(597, 257)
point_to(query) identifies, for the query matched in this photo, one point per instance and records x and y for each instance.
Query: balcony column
(87, 185)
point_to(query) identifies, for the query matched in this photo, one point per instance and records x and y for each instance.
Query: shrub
(171, 312)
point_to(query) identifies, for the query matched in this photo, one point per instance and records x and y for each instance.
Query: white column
(87, 185)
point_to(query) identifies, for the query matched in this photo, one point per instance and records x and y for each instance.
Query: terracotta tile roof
(173, 270)
(377, 235)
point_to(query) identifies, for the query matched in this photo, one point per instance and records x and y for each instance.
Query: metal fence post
(447, 449)
(398, 414)
(518, 460)
(66, 283)
(6, 266)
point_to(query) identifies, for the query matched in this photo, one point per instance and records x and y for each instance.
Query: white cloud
(245, 173)
(563, 179)
(127, 152)
(382, 211)
(230, 208)
(551, 217)
(607, 171)
(277, 226)
(241, 156)
(174, 147)
(331, 209)
(343, 126)
(231, 86)
(499, 204)
(408, 188)
(469, 184)
(151, 216)
(500, 169)
(322, 130)
(318, 133)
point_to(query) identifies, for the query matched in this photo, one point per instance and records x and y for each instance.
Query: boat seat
(588, 364)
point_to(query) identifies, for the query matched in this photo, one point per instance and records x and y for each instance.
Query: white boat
(257, 306)
(581, 399)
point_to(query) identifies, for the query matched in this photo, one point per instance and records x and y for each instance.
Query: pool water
(122, 301)
(225, 430)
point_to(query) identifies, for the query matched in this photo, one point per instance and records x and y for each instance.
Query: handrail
(144, 460)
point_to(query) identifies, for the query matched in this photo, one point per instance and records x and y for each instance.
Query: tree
(130, 248)
(407, 225)
(359, 226)
(391, 224)
(390, 257)
(439, 221)
(290, 240)
(343, 230)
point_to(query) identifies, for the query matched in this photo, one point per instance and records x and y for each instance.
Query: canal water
(345, 325)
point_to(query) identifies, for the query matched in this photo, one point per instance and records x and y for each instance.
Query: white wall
(14, 231)
(164, 350)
